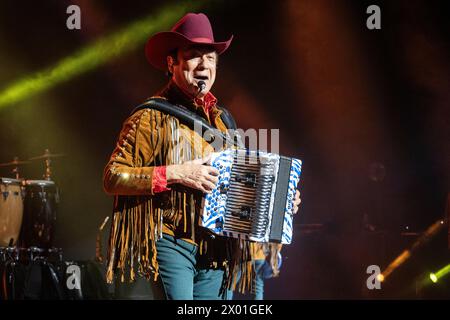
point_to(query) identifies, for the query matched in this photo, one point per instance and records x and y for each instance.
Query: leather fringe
(239, 269)
(134, 231)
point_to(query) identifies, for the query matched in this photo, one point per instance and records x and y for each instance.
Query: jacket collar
(206, 108)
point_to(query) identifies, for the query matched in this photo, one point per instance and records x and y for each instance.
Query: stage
(358, 90)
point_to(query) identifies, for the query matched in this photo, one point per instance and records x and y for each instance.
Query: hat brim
(162, 44)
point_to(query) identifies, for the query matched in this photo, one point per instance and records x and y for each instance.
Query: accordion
(254, 196)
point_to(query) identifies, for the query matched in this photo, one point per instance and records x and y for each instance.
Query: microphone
(201, 85)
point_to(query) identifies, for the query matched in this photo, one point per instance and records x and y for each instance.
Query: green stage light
(105, 49)
(440, 274)
(433, 277)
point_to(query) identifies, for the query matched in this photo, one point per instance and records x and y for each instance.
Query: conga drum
(11, 210)
(39, 219)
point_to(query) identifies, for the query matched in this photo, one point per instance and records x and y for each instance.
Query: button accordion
(254, 196)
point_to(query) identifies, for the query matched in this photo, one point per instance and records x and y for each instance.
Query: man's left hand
(297, 201)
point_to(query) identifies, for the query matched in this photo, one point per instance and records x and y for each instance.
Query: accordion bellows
(254, 196)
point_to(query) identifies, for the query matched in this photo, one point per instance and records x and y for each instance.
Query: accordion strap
(190, 119)
(227, 118)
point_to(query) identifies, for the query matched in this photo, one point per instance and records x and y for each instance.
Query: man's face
(194, 64)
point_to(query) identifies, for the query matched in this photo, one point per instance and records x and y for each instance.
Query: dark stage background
(366, 110)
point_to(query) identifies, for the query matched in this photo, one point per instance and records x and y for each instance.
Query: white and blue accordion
(253, 199)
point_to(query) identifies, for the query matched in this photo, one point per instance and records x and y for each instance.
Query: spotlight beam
(439, 274)
(102, 51)
(406, 254)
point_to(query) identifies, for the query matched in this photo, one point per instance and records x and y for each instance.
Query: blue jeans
(258, 282)
(181, 278)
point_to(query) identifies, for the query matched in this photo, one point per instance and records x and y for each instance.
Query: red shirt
(207, 103)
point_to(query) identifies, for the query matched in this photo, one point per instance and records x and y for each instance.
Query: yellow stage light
(433, 277)
(105, 49)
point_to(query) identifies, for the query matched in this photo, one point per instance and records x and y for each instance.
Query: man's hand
(297, 201)
(196, 174)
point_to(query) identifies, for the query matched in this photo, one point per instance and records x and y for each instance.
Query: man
(158, 173)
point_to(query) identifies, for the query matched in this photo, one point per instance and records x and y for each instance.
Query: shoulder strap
(230, 123)
(185, 116)
(227, 118)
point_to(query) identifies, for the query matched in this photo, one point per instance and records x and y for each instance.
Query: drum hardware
(8, 280)
(40, 206)
(27, 226)
(47, 156)
(15, 164)
(35, 253)
(9, 253)
(21, 254)
(58, 252)
(28, 207)
(31, 273)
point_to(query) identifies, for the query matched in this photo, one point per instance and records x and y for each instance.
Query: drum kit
(28, 211)
(28, 207)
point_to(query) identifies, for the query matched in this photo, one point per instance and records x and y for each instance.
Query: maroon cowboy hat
(191, 29)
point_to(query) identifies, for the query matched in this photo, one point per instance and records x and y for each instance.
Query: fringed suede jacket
(151, 139)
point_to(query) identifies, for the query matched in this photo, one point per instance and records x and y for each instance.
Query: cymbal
(13, 163)
(47, 156)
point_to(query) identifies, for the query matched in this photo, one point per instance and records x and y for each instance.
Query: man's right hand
(196, 174)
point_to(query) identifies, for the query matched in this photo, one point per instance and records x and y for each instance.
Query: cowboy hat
(190, 30)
